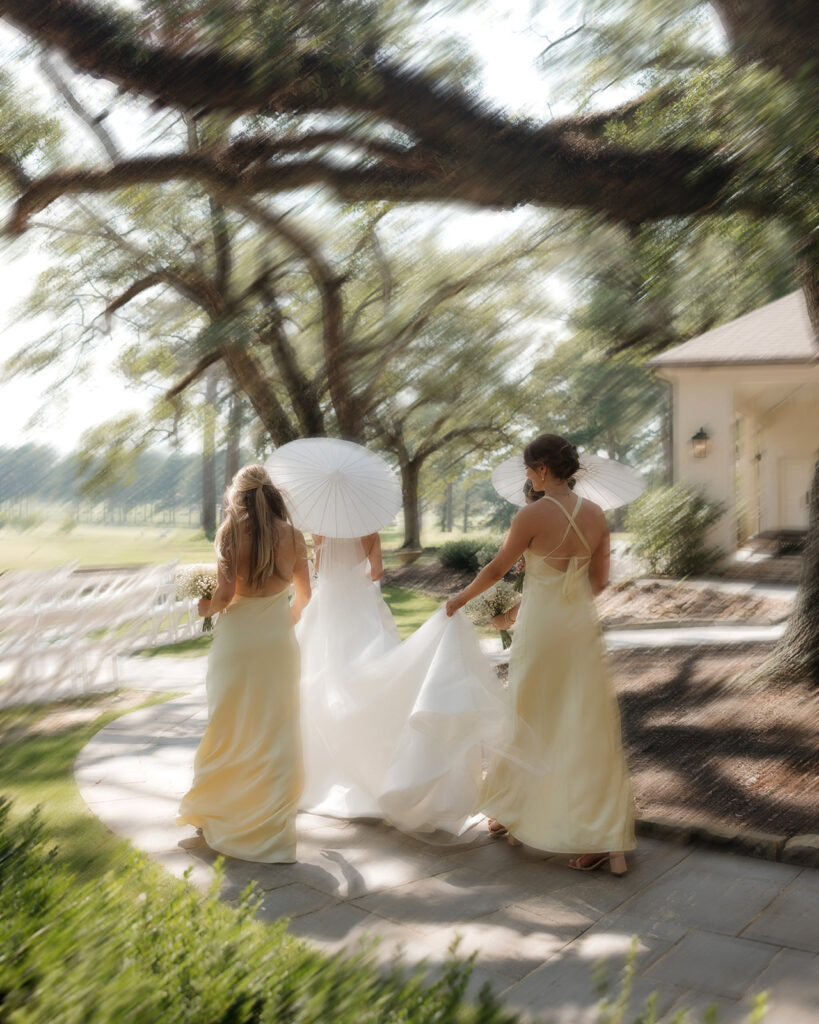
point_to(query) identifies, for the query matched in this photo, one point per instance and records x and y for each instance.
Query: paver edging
(608, 624)
(802, 850)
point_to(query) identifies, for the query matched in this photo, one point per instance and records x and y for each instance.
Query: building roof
(777, 333)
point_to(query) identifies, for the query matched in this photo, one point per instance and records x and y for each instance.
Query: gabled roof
(777, 333)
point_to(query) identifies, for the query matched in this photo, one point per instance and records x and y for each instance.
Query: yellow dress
(248, 774)
(580, 799)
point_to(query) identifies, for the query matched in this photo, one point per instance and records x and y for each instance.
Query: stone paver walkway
(713, 928)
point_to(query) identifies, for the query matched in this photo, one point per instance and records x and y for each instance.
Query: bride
(346, 623)
(391, 730)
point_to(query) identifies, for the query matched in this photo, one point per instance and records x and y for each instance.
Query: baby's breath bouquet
(496, 601)
(196, 581)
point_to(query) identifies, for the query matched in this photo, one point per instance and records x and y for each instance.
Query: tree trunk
(410, 472)
(466, 510)
(209, 458)
(234, 435)
(449, 508)
(796, 656)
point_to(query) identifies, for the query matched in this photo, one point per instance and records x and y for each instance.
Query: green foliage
(122, 949)
(468, 553)
(670, 526)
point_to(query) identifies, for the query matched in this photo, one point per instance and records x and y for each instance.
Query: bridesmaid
(581, 799)
(248, 772)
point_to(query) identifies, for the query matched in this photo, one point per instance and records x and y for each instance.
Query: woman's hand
(507, 619)
(203, 608)
(453, 604)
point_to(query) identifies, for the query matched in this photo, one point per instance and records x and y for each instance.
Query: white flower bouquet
(196, 581)
(482, 609)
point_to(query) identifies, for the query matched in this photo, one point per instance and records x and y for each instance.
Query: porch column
(705, 399)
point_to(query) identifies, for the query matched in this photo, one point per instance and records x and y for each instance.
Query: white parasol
(335, 488)
(606, 482)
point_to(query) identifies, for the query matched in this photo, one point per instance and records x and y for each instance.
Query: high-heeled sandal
(597, 861)
(616, 862)
(496, 829)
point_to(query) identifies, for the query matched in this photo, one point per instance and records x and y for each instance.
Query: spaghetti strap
(572, 525)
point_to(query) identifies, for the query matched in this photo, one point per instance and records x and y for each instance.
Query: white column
(705, 399)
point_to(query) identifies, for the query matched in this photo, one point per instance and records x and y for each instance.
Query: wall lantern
(699, 443)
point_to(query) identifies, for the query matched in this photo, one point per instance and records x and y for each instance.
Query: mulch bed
(627, 603)
(705, 749)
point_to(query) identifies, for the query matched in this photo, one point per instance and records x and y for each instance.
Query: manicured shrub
(468, 553)
(126, 950)
(670, 527)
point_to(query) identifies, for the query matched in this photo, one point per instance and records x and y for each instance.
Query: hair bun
(557, 454)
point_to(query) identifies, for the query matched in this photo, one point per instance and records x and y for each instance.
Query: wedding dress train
(392, 730)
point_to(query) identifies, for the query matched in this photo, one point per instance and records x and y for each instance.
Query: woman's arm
(600, 563)
(301, 576)
(222, 596)
(372, 549)
(517, 541)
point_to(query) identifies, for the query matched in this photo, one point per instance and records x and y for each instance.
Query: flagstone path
(712, 927)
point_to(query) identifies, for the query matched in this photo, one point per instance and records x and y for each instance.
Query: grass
(40, 744)
(92, 546)
(409, 609)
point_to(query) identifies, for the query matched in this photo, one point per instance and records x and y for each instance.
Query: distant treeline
(159, 481)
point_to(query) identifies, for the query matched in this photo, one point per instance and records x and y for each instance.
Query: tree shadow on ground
(703, 746)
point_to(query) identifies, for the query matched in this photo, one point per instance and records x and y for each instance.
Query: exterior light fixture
(699, 443)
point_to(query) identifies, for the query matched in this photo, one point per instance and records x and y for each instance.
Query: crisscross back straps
(571, 525)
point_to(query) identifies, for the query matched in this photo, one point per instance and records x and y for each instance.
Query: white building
(751, 386)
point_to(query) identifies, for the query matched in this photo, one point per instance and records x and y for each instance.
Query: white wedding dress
(391, 730)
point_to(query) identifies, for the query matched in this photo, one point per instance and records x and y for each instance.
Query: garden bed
(630, 602)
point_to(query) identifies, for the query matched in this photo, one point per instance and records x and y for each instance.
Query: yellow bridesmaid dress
(580, 799)
(248, 773)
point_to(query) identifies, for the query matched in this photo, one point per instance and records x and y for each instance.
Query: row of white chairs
(61, 631)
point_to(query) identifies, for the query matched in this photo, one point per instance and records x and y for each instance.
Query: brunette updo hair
(557, 454)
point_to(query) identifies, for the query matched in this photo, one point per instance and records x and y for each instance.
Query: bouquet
(496, 601)
(196, 581)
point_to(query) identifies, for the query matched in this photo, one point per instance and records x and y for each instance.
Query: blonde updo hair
(251, 501)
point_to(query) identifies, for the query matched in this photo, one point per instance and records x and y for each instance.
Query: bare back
(555, 539)
(575, 529)
(286, 556)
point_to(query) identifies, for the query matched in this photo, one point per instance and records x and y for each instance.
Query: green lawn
(46, 545)
(40, 745)
(410, 610)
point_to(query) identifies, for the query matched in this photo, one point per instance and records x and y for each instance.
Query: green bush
(468, 553)
(670, 525)
(124, 950)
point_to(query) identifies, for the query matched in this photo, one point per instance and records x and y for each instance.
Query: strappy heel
(496, 829)
(597, 862)
(616, 862)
